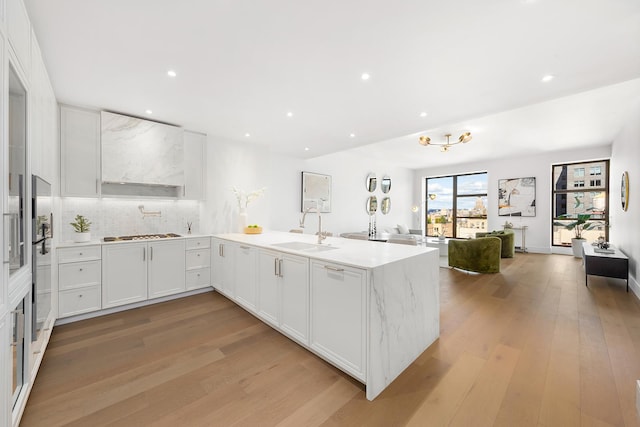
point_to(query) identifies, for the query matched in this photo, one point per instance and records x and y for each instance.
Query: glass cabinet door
(15, 211)
(17, 351)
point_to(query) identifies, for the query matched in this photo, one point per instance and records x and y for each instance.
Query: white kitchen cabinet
(79, 152)
(79, 280)
(124, 273)
(198, 262)
(166, 267)
(19, 30)
(338, 310)
(245, 276)
(194, 165)
(5, 379)
(133, 272)
(283, 292)
(222, 266)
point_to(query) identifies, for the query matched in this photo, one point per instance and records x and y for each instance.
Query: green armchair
(508, 241)
(480, 255)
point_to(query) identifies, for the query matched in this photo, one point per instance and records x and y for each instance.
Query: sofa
(481, 255)
(508, 241)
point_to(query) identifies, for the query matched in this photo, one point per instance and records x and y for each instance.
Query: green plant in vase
(82, 227)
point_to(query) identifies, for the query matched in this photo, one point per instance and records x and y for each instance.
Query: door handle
(144, 254)
(275, 266)
(151, 253)
(280, 268)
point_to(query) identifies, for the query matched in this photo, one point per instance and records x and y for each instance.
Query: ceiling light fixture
(289, 114)
(444, 146)
(306, 148)
(352, 135)
(171, 73)
(423, 114)
(247, 135)
(149, 112)
(365, 76)
(548, 78)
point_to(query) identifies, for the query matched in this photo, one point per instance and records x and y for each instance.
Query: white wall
(625, 226)
(250, 167)
(538, 237)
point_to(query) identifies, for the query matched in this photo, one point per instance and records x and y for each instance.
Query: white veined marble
(141, 151)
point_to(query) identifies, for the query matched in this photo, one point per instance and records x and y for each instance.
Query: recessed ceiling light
(149, 112)
(171, 73)
(423, 114)
(352, 135)
(289, 114)
(548, 78)
(247, 135)
(365, 76)
(306, 148)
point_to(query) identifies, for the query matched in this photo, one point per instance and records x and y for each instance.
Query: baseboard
(634, 286)
(129, 306)
(638, 397)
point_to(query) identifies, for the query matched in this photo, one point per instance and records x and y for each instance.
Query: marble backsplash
(118, 217)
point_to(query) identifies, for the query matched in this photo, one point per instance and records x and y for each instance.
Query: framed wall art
(316, 192)
(517, 197)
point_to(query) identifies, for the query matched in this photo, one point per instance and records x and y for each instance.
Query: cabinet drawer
(82, 253)
(198, 278)
(198, 259)
(78, 274)
(77, 301)
(198, 243)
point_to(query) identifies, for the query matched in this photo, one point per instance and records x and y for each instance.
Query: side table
(615, 265)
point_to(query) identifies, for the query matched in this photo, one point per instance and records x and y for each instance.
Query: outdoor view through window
(580, 191)
(457, 205)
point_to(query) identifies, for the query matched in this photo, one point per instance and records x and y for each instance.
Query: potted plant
(578, 225)
(82, 226)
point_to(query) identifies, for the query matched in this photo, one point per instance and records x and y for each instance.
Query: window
(570, 200)
(456, 205)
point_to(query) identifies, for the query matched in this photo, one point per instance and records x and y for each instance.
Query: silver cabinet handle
(80, 269)
(244, 247)
(5, 232)
(151, 253)
(198, 254)
(280, 267)
(332, 268)
(80, 253)
(97, 183)
(144, 254)
(275, 267)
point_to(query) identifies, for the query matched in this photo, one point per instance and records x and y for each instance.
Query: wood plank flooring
(530, 346)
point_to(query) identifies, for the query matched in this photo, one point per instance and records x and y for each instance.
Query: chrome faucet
(321, 234)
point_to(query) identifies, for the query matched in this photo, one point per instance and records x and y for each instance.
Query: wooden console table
(615, 265)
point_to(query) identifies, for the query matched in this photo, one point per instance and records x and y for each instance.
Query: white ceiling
(243, 64)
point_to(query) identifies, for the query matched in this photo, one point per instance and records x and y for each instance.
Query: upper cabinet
(136, 151)
(80, 152)
(194, 162)
(100, 151)
(19, 30)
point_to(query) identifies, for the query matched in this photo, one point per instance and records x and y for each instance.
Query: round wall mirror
(386, 184)
(372, 205)
(386, 205)
(372, 182)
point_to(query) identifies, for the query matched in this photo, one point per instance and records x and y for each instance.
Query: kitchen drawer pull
(151, 253)
(275, 267)
(80, 253)
(280, 268)
(244, 247)
(332, 268)
(198, 254)
(80, 296)
(144, 254)
(80, 269)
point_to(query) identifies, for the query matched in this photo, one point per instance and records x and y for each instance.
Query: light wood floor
(531, 346)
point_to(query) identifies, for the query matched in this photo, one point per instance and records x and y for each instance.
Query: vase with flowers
(244, 199)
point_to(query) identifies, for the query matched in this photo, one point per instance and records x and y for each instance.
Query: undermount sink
(302, 246)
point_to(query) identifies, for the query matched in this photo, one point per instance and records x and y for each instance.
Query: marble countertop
(351, 252)
(71, 243)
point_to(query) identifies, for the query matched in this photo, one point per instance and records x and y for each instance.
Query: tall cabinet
(28, 136)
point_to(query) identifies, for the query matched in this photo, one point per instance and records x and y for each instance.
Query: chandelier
(444, 146)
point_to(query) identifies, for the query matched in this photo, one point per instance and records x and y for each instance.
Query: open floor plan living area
(336, 214)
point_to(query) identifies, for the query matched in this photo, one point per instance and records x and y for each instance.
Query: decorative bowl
(252, 230)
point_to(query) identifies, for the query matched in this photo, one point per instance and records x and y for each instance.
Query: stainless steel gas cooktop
(141, 237)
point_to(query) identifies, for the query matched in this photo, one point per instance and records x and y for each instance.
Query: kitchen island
(368, 308)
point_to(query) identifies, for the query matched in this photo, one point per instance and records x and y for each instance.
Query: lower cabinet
(222, 266)
(283, 292)
(198, 263)
(245, 276)
(133, 272)
(79, 280)
(338, 315)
